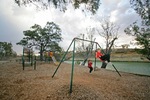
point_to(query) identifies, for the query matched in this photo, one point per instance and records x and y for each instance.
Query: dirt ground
(29, 84)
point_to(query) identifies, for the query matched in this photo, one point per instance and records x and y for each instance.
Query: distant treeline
(120, 50)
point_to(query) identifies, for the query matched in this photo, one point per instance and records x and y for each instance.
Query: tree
(90, 5)
(141, 32)
(109, 33)
(5, 49)
(142, 7)
(43, 39)
(142, 36)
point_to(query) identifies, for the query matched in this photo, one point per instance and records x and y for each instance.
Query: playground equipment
(54, 60)
(27, 58)
(49, 54)
(46, 56)
(73, 56)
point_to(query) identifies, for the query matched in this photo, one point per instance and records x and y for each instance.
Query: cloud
(14, 20)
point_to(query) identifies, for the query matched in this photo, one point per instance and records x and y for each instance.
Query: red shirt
(99, 54)
(90, 64)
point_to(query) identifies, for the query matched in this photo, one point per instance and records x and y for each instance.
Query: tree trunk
(104, 65)
(41, 52)
(111, 44)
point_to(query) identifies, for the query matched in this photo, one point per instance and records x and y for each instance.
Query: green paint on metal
(72, 71)
(71, 82)
(63, 58)
(23, 62)
(95, 59)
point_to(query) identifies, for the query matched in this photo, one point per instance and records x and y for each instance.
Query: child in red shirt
(99, 55)
(105, 58)
(90, 66)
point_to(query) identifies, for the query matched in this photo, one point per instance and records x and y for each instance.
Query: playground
(102, 84)
(31, 79)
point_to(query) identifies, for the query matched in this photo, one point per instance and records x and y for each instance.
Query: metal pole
(116, 70)
(23, 62)
(100, 47)
(63, 58)
(85, 40)
(34, 62)
(71, 81)
(95, 58)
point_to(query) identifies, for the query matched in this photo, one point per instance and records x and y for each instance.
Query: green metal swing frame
(73, 56)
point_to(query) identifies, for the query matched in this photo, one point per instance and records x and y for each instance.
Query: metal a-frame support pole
(116, 70)
(63, 58)
(23, 59)
(95, 58)
(71, 81)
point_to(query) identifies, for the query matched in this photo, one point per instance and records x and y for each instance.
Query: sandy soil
(29, 84)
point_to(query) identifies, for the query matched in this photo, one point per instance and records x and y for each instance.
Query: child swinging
(90, 66)
(105, 58)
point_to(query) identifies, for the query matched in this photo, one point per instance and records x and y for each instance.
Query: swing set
(73, 56)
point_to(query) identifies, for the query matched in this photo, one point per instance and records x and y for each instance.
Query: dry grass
(16, 84)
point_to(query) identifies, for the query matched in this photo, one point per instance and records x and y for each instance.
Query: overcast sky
(14, 20)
